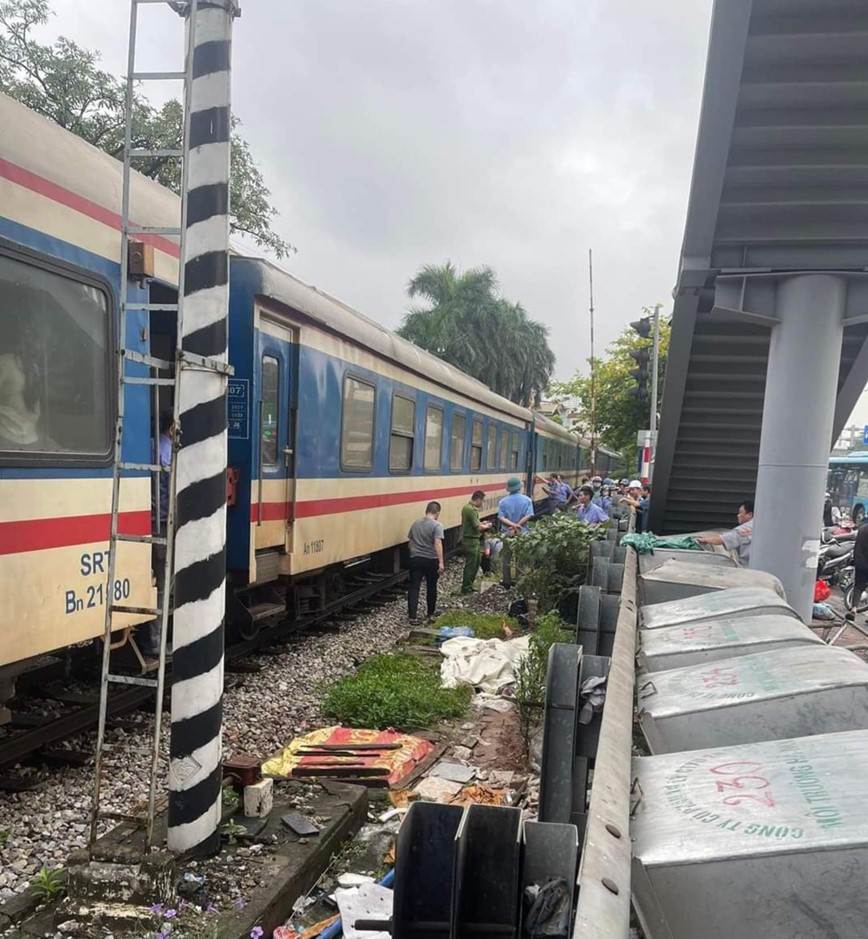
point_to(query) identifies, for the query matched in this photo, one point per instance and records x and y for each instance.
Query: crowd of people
(595, 501)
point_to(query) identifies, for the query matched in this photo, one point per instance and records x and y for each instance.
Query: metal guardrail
(603, 910)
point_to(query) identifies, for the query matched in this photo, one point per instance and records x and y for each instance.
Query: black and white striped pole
(200, 530)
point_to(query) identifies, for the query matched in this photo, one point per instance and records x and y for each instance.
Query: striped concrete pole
(200, 532)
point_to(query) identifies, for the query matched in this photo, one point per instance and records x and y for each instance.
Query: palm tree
(470, 326)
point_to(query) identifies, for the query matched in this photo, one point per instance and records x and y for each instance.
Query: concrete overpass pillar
(801, 383)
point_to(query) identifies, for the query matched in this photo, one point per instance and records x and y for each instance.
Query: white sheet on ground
(488, 664)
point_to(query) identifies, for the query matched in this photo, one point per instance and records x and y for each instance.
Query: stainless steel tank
(675, 580)
(731, 603)
(710, 640)
(765, 841)
(792, 692)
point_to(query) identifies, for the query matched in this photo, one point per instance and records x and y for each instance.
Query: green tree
(63, 82)
(619, 416)
(468, 324)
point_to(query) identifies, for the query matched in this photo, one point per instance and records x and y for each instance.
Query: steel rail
(603, 909)
(23, 744)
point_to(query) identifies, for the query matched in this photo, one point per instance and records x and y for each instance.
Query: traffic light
(641, 356)
(643, 327)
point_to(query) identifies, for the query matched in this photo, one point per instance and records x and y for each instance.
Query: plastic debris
(287, 932)
(592, 695)
(390, 814)
(547, 909)
(648, 541)
(455, 772)
(823, 611)
(453, 632)
(491, 702)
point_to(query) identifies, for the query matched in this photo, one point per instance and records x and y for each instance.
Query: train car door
(274, 498)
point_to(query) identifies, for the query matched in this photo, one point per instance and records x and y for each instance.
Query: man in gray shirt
(739, 538)
(426, 560)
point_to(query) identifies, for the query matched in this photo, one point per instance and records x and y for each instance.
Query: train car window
(476, 447)
(491, 455)
(402, 436)
(357, 424)
(456, 448)
(504, 449)
(270, 412)
(55, 346)
(433, 438)
(513, 457)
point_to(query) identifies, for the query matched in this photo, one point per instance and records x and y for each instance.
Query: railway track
(82, 710)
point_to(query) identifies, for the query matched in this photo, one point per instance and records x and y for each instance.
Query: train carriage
(59, 289)
(339, 431)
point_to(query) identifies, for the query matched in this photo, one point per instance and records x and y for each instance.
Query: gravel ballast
(262, 712)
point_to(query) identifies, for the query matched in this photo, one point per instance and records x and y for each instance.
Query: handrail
(603, 910)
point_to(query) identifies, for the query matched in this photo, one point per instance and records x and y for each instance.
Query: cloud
(515, 133)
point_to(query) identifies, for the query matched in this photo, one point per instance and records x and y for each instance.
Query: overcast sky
(513, 133)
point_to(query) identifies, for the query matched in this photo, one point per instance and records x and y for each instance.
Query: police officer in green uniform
(472, 530)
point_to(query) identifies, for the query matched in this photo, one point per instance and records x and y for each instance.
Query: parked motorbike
(834, 560)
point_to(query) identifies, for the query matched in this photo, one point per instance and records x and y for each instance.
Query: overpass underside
(780, 189)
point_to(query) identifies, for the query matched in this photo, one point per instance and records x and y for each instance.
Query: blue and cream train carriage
(339, 431)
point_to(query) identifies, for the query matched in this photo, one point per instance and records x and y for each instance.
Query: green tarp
(647, 542)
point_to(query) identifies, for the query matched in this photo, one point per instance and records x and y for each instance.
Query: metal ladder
(128, 233)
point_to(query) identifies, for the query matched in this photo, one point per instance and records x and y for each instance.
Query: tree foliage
(469, 325)
(619, 416)
(63, 82)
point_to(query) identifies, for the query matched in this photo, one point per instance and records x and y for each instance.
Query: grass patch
(484, 625)
(394, 690)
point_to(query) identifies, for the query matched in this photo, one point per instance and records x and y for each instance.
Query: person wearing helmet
(514, 511)
(634, 500)
(597, 489)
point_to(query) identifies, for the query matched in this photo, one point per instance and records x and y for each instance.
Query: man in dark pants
(426, 560)
(860, 564)
(472, 530)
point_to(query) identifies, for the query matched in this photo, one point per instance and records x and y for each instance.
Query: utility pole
(593, 366)
(195, 771)
(655, 358)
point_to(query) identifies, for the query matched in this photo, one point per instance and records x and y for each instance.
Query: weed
(390, 690)
(4, 836)
(49, 884)
(232, 831)
(484, 625)
(231, 799)
(530, 674)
